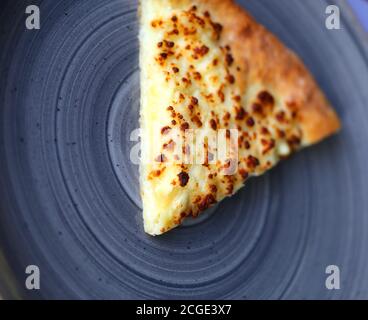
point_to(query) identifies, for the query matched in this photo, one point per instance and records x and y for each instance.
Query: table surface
(360, 8)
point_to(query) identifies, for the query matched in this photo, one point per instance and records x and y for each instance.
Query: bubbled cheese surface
(191, 82)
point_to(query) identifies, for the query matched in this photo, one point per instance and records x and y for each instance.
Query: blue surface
(69, 98)
(360, 8)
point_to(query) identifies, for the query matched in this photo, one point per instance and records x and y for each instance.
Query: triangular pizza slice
(221, 100)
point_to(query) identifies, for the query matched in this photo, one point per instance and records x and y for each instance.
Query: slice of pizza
(222, 100)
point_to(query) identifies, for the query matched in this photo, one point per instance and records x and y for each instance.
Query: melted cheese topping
(189, 81)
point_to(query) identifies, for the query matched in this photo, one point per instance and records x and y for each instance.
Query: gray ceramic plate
(69, 97)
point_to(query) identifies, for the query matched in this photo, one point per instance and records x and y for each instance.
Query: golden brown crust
(265, 60)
